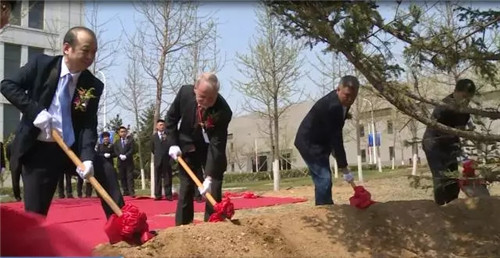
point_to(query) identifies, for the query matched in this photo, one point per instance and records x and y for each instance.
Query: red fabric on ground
(85, 220)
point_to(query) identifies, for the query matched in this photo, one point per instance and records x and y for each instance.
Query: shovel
(127, 224)
(222, 210)
(361, 198)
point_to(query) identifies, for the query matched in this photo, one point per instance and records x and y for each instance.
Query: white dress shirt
(55, 107)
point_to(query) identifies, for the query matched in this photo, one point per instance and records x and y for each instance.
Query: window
(390, 129)
(363, 155)
(285, 162)
(361, 130)
(34, 51)
(35, 15)
(262, 163)
(232, 166)
(15, 15)
(391, 152)
(12, 59)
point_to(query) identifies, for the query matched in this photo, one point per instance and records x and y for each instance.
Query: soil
(404, 222)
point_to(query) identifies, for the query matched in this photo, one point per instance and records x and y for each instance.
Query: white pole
(256, 157)
(360, 169)
(335, 168)
(414, 168)
(105, 93)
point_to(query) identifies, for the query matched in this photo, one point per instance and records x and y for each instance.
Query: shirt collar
(65, 70)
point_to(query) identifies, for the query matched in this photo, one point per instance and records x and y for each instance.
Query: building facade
(35, 27)
(400, 136)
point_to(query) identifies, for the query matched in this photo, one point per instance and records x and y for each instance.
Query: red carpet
(84, 218)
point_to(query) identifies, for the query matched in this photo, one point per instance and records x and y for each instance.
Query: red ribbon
(361, 198)
(222, 210)
(131, 227)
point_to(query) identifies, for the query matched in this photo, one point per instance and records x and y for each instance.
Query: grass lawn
(267, 185)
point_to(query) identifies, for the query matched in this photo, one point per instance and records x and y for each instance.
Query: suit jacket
(32, 89)
(127, 150)
(159, 148)
(435, 138)
(320, 133)
(106, 148)
(188, 135)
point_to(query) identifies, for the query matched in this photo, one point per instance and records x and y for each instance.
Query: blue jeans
(322, 177)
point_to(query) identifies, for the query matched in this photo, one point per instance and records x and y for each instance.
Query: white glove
(43, 121)
(348, 177)
(107, 155)
(174, 152)
(89, 170)
(3, 170)
(123, 157)
(206, 185)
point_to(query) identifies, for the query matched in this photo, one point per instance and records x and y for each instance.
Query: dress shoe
(19, 199)
(169, 198)
(70, 196)
(157, 198)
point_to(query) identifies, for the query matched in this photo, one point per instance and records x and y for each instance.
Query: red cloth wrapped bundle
(131, 226)
(361, 198)
(222, 210)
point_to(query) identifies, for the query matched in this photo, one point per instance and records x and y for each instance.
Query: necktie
(65, 102)
(123, 143)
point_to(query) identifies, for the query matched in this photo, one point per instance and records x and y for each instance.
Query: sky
(237, 24)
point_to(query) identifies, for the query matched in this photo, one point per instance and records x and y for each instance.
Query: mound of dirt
(411, 228)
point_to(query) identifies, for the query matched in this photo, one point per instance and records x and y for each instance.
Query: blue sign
(370, 139)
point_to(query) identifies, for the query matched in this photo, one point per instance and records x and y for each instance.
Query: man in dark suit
(320, 134)
(57, 92)
(442, 149)
(159, 148)
(15, 174)
(68, 187)
(124, 149)
(201, 139)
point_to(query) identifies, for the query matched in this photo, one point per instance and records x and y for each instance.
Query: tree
(105, 57)
(169, 27)
(358, 31)
(271, 69)
(144, 135)
(115, 123)
(134, 97)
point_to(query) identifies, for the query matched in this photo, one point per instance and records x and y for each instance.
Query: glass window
(361, 130)
(15, 15)
(12, 59)
(363, 155)
(390, 128)
(35, 14)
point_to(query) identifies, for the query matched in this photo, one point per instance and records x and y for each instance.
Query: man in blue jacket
(320, 134)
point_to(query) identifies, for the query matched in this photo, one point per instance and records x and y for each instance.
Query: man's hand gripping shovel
(222, 210)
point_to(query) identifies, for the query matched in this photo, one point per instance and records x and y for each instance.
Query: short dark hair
(70, 36)
(465, 85)
(349, 81)
(105, 134)
(122, 127)
(160, 121)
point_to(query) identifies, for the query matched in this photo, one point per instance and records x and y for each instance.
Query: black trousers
(442, 161)
(79, 188)
(42, 168)
(185, 207)
(61, 186)
(16, 178)
(163, 172)
(126, 174)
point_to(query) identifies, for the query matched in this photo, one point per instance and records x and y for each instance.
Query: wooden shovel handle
(198, 183)
(100, 190)
(352, 184)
